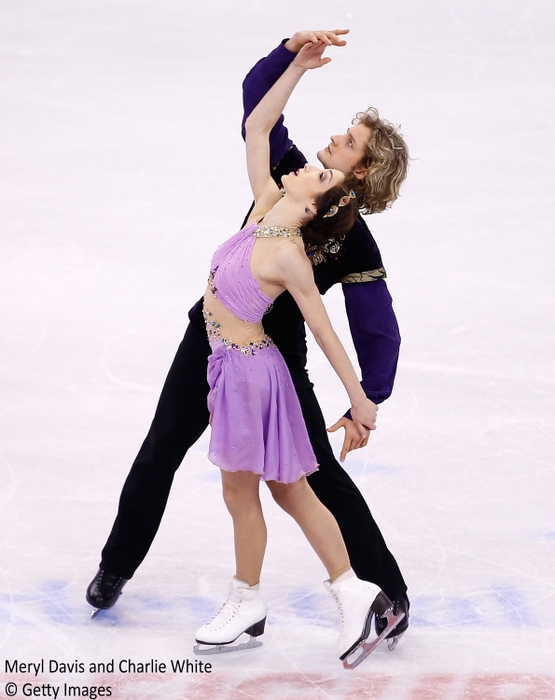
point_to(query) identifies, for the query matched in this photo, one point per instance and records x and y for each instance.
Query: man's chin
(323, 157)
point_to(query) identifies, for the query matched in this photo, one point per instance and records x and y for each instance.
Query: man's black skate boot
(400, 604)
(105, 589)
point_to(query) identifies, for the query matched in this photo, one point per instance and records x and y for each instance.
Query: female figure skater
(258, 430)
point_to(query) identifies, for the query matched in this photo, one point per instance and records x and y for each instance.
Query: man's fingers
(356, 435)
(344, 450)
(320, 36)
(349, 444)
(331, 37)
(334, 37)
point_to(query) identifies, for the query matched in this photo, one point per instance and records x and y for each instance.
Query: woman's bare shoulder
(293, 252)
(291, 261)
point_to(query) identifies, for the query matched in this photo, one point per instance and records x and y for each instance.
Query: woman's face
(310, 181)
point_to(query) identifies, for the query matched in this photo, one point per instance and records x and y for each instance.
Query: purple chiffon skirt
(256, 418)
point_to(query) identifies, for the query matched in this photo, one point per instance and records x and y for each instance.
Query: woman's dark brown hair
(339, 220)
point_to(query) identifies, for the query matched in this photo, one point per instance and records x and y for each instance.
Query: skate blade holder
(209, 649)
(365, 648)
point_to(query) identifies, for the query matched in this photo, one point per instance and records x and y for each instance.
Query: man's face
(346, 150)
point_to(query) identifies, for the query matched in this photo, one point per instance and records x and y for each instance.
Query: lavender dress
(256, 419)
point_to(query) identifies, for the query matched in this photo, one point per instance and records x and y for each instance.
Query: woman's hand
(364, 414)
(310, 56)
(330, 38)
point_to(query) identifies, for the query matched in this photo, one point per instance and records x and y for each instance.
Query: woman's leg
(244, 610)
(357, 601)
(241, 496)
(317, 523)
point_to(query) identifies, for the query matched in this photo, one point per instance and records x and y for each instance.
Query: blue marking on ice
(494, 606)
(53, 599)
(201, 607)
(50, 599)
(429, 611)
(497, 606)
(155, 603)
(515, 609)
(307, 605)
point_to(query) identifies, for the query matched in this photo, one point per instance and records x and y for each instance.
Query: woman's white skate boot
(358, 601)
(244, 612)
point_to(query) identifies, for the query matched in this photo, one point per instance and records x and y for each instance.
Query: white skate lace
(339, 607)
(226, 613)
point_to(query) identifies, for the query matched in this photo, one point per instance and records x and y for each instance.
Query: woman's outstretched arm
(292, 268)
(266, 113)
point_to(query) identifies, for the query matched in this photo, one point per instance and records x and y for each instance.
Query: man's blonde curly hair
(386, 162)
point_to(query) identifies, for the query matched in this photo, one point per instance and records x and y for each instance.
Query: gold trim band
(366, 276)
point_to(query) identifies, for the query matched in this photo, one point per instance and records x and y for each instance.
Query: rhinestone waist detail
(215, 338)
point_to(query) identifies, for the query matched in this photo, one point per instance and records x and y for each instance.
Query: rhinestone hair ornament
(342, 202)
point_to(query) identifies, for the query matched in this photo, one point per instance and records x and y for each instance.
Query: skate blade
(207, 650)
(392, 643)
(365, 648)
(95, 612)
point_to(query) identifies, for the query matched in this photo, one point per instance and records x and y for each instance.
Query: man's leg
(180, 419)
(368, 552)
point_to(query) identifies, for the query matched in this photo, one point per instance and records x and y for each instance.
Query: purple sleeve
(256, 84)
(375, 335)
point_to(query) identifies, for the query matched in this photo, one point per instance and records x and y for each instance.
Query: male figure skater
(375, 152)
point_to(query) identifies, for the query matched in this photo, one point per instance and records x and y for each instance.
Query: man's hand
(352, 440)
(330, 38)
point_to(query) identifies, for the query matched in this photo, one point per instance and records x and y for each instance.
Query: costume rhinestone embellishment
(277, 232)
(213, 331)
(211, 281)
(342, 203)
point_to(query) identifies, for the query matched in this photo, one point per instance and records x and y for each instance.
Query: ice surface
(121, 169)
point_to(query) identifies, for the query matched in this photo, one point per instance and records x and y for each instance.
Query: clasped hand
(357, 431)
(310, 56)
(305, 36)
(310, 46)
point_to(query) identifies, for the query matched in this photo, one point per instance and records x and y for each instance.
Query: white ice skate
(358, 601)
(243, 613)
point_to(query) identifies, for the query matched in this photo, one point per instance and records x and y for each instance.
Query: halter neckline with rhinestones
(277, 232)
